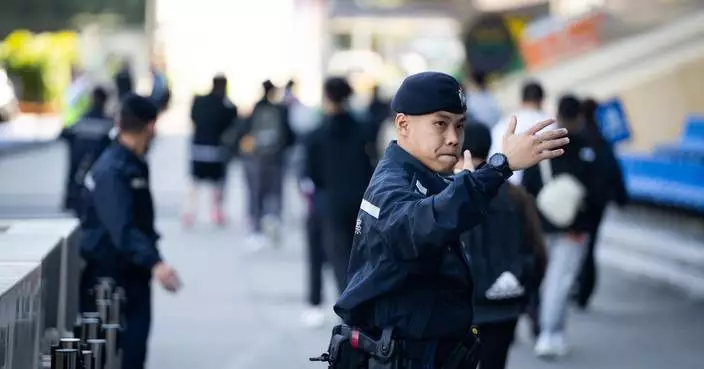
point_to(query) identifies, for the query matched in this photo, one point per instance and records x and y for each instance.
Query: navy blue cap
(429, 92)
(141, 107)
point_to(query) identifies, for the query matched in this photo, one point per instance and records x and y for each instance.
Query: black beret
(141, 107)
(429, 92)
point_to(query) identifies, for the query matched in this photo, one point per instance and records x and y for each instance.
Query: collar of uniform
(130, 155)
(433, 182)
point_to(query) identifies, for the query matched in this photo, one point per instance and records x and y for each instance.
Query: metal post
(66, 359)
(87, 356)
(103, 305)
(98, 349)
(63, 288)
(111, 357)
(90, 329)
(70, 343)
(103, 289)
(117, 298)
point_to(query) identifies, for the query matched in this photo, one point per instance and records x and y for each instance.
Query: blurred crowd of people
(553, 209)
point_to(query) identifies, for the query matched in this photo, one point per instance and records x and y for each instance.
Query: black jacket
(86, 140)
(498, 256)
(118, 237)
(407, 266)
(212, 115)
(579, 160)
(337, 162)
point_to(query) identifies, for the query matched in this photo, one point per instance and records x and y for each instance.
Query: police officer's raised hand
(167, 276)
(533, 146)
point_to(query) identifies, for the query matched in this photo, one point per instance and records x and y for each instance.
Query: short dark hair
(532, 92)
(268, 87)
(477, 139)
(136, 112)
(479, 78)
(219, 81)
(568, 108)
(337, 89)
(99, 96)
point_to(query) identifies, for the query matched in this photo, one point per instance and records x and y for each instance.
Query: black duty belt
(347, 341)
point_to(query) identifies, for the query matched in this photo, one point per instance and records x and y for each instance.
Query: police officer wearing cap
(118, 235)
(408, 269)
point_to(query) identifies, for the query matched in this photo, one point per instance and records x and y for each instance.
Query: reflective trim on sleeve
(370, 208)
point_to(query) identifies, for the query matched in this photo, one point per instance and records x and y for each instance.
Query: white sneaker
(544, 347)
(313, 317)
(256, 242)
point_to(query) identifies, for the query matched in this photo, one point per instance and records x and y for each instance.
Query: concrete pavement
(240, 310)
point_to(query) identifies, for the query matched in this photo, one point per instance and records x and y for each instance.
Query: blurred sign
(612, 121)
(549, 40)
(489, 44)
(500, 5)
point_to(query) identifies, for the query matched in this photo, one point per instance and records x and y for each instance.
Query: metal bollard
(66, 359)
(103, 289)
(97, 347)
(70, 343)
(111, 353)
(91, 314)
(117, 299)
(90, 329)
(52, 353)
(103, 309)
(87, 357)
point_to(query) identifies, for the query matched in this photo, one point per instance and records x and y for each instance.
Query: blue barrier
(694, 129)
(685, 150)
(664, 181)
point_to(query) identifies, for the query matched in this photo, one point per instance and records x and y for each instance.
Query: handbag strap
(545, 171)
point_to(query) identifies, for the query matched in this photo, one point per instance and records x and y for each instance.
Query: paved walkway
(241, 311)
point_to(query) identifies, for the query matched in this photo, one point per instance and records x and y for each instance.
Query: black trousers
(587, 279)
(338, 234)
(496, 339)
(316, 257)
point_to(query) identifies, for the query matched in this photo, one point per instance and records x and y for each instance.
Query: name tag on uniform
(138, 183)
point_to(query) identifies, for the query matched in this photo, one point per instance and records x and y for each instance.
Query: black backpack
(268, 130)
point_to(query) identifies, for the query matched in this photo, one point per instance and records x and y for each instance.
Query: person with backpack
(339, 167)
(266, 136)
(503, 263)
(566, 190)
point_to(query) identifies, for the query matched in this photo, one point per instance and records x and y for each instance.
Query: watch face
(497, 161)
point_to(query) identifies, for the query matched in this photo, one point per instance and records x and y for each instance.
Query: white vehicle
(8, 100)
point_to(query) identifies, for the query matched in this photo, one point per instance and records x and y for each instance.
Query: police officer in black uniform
(407, 268)
(86, 141)
(118, 235)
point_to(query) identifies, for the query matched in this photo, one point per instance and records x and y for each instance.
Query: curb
(12, 148)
